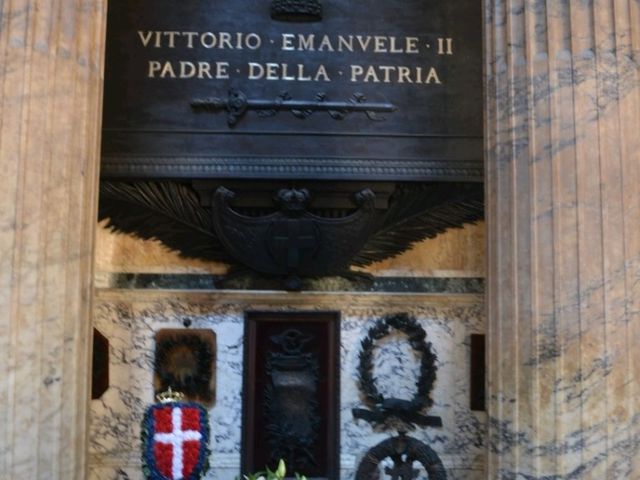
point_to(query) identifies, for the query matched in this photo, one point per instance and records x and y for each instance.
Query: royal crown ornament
(175, 439)
(296, 10)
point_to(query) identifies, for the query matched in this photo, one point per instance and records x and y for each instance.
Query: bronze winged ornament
(292, 232)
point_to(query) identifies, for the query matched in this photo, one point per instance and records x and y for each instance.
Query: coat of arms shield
(175, 437)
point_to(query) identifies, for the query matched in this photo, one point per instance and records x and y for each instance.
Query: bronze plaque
(347, 90)
(185, 361)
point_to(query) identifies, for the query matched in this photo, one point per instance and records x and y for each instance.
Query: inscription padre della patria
(290, 42)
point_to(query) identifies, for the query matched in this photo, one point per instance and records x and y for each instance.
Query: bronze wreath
(407, 410)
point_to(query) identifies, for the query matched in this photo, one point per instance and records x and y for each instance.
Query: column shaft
(51, 56)
(563, 240)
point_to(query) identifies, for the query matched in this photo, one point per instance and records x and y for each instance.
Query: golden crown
(170, 396)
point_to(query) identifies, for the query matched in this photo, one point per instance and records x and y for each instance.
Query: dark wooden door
(291, 392)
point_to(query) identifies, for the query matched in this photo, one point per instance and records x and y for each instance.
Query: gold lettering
(287, 41)
(222, 72)
(356, 72)
(145, 37)
(445, 46)
(204, 69)
(404, 73)
(371, 74)
(387, 72)
(253, 41)
(322, 74)
(211, 43)
(325, 44)
(239, 40)
(190, 36)
(167, 71)
(432, 77)
(158, 43)
(225, 40)
(272, 71)
(380, 44)
(364, 42)
(256, 71)
(301, 76)
(412, 44)
(392, 46)
(345, 44)
(285, 70)
(172, 38)
(187, 70)
(153, 68)
(306, 43)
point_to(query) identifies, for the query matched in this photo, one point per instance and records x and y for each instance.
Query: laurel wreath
(417, 339)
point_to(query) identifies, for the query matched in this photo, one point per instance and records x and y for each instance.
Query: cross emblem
(402, 470)
(173, 438)
(291, 238)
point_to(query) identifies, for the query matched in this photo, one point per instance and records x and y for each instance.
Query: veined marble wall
(130, 319)
(563, 208)
(563, 239)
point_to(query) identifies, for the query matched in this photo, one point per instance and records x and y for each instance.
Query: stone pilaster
(563, 210)
(51, 55)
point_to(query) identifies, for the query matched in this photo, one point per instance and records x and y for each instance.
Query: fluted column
(51, 55)
(563, 246)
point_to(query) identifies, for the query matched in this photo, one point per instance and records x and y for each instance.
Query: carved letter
(190, 36)
(204, 68)
(325, 44)
(381, 44)
(404, 73)
(172, 38)
(253, 41)
(145, 37)
(212, 42)
(256, 71)
(306, 43)
(322, 74)
(167, 71)
(225, 40)
(386, 69)
(187, 69)
(153, 68)
(412, 45)
(287, 41)
(356, 71)
(371, 74)
(364, 43)
(272, 71)
(392, 46)
(345, 43)
(301, 75)
(432, 77)
(221, 70)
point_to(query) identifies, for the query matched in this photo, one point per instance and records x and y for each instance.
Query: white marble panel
(130, 325)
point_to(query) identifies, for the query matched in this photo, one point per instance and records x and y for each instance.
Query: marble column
(51, 56)
(563, 211)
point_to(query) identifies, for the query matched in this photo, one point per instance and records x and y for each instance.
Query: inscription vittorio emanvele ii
(291, 42)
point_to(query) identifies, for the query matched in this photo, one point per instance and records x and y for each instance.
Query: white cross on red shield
(175, 438)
